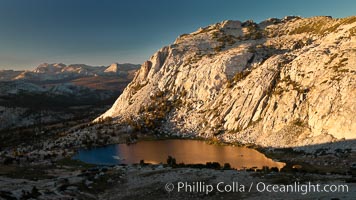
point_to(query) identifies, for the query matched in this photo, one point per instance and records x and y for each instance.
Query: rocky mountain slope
(281, 82)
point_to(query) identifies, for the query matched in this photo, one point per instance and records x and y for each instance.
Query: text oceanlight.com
(296, 187)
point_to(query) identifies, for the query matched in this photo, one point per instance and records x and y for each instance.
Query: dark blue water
(100, 155)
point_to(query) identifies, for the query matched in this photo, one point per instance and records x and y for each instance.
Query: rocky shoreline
(46, 170)
(77, 181)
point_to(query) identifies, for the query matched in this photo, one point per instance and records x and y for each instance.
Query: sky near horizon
(106, 31)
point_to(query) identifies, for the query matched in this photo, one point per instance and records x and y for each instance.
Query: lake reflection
(187, 151)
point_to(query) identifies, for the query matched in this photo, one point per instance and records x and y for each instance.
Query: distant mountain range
(56, 88)
(57, 71)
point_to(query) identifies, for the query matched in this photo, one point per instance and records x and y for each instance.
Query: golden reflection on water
(193, 152)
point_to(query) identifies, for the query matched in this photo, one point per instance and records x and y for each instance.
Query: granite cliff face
(282, 82)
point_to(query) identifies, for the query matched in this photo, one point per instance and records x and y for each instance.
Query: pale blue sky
(106, 31)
